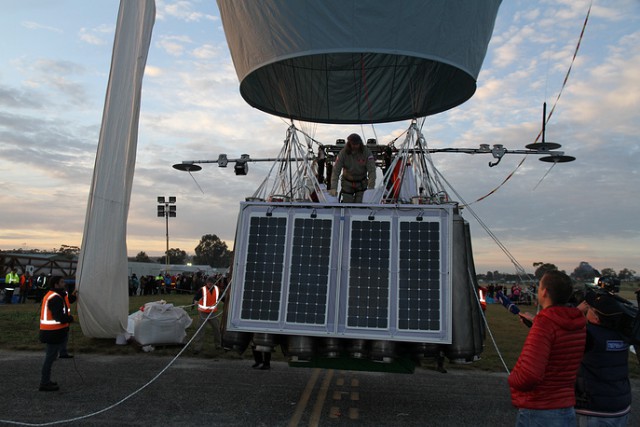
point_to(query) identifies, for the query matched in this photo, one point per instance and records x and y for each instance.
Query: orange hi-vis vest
(66, 301)
(47, 322)
(207, 303)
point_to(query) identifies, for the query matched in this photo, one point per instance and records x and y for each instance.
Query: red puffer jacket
(545, 374)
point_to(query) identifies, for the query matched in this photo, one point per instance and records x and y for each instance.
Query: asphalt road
(102, 390)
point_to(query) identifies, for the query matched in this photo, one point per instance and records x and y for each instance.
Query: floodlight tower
(166, 209)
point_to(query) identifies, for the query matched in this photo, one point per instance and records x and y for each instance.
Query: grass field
(19, 325)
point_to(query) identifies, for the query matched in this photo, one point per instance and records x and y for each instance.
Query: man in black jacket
(603, 390)
(54, 328)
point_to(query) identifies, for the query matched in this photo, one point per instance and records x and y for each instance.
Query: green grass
(19, 325)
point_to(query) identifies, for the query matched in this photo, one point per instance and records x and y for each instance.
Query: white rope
(129, 396)
(486, 323)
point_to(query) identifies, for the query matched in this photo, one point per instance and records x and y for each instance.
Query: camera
(608, 283)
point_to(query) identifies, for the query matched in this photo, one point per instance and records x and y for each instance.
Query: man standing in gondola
(356, 168)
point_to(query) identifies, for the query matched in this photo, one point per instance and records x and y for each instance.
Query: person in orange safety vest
(206, 299)
(55, 318)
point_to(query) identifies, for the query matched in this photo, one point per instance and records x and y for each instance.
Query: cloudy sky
(54, 67)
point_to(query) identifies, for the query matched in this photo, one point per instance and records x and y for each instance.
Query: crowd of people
(161, 284)
(19, 286)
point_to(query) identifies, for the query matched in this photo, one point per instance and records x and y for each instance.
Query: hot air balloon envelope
(357, 61)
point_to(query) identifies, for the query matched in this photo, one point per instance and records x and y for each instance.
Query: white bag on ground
(160, 323)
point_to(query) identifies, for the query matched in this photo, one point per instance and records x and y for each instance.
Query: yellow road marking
(304, 399)
(353, 413)
(322, 395)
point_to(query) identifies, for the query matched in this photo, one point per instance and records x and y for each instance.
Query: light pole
(167, 208)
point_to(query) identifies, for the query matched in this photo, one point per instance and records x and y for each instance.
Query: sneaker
(256, 365)
(265, 367)
(66, 356)
(49, 387)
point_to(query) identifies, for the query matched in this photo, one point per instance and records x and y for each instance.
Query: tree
(585, 271)
(142, 257)
(626, 274)
(608, 272)
(543, 267)
(176, 256)
(213, 252)
(68, 251)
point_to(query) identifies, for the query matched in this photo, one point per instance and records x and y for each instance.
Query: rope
(486, 323)
(519, 269)
(564, 83)
(135, 392)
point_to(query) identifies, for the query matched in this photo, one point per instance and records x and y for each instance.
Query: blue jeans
(50, 356)
(564, 417)
(585, 421)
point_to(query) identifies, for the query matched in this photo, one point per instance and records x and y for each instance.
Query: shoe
(49, 387)
(256, 365)
(66, 356)
(265, 367)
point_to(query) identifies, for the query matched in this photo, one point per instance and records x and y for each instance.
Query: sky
(54, 68)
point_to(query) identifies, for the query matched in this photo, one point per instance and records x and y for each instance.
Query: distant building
(65, 265)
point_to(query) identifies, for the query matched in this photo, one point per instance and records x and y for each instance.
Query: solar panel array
(336, 271)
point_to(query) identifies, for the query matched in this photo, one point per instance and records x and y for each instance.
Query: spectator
(26, 284)
(542, 382)
(11, 282)
(603, 390)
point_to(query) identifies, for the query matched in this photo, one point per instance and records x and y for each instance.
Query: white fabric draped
(102, 274)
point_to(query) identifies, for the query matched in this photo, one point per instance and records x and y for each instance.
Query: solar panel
(368, 288)
(264, 268)
(419, 276)
(309, 271)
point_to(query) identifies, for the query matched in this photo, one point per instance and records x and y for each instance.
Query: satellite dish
(187, 167)
(543, 146)
(557, 159)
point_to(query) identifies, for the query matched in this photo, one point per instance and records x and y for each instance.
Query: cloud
(181, 10)
(36, 26)
(174, 45)
(16, 98)
(98, 36)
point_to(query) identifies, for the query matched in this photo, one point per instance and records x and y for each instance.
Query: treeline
(210, 251)
(583, 272)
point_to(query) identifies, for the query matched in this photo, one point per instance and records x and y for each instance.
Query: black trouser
(51, 355)
(8, 296)
(262, 357)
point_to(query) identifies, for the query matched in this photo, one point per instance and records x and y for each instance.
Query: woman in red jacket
(542, 382)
